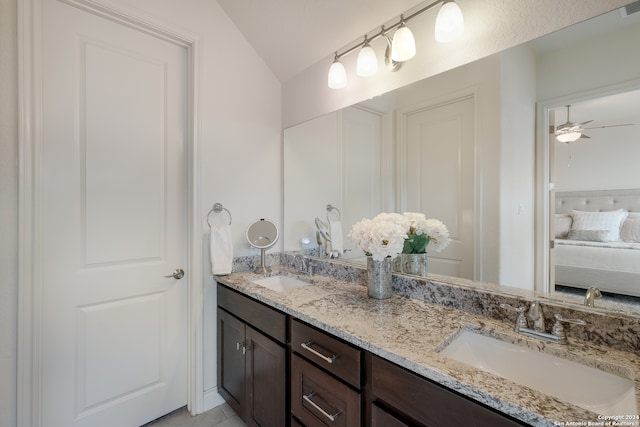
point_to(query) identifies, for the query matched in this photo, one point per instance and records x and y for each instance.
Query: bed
(597, 240)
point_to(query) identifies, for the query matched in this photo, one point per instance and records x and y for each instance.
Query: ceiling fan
(570, 131)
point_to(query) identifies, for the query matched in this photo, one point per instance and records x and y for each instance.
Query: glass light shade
(449, 23)
(367, 64)
(403, 46)
(569, 137)
(337, 75)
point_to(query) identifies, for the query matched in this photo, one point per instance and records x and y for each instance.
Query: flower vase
(379, 278)
(415, 264)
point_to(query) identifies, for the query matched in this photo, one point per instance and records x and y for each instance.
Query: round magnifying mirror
(262, 234)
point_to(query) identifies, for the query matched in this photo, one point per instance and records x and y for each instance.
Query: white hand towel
(335, 233)
(221, 250)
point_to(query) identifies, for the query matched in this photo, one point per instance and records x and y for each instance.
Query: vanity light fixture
(449, 23)
(367, 64)
(337, 74)
(403, 46)
(449, 26)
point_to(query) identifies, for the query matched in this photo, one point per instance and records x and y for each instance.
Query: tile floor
(220, 416)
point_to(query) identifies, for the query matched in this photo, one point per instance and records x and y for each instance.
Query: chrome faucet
(536, 317)
(306, 264)
(533, 324)
(592, 294)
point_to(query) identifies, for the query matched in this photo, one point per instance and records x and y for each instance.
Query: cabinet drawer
(318, 399)
(337, 357)
(427, 402)
(381, 418)
(266, 319)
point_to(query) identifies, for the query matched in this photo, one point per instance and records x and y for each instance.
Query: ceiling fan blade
(611, 126)
(585, 136)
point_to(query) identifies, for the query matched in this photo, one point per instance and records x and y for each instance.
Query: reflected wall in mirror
(382, 170)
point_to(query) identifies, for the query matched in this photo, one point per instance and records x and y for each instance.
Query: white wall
(607, 161)
(517, 167)
(594, 164)
(310, 178)
(590, 64)
(490, 27)
(8, 212)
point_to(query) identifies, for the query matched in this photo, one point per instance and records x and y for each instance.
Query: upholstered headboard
(601, 200)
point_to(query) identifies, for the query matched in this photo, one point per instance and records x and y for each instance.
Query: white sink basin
(590, 388)
(280, 283)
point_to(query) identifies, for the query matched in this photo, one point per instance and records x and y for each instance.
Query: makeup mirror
(262, 234)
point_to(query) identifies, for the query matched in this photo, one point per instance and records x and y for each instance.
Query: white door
(114, 205)
(438, 176)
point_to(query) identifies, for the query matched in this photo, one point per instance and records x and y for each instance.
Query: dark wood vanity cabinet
(397, 397)
(325, 379)
(252, 359)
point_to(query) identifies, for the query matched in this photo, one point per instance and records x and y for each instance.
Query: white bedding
(621, 256)
(610, 266)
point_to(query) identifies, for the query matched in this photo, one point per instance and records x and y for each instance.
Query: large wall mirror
(462, 147)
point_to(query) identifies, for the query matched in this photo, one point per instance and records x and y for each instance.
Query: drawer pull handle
(308, 397)
(307, 346)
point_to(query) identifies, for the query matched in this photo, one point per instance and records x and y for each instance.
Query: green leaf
(415, 244)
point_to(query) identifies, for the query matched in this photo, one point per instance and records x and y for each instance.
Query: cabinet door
(231, 363)
(266, 381)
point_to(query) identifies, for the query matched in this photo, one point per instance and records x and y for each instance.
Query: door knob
(178, 274)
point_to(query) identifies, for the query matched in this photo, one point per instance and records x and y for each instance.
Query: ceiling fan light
(449, 22)
(569, 137)
(337, 78)
(367, 64)
(403, 46)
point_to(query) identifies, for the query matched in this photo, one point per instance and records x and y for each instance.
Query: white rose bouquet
(381, 236)
(423, 233)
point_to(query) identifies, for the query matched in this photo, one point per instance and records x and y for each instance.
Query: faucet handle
(512, 308)
(521, 321)
(561, 320)
(559, 330)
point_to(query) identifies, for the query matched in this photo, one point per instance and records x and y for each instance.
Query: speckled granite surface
(412, 331)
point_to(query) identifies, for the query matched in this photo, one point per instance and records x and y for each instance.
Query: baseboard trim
(210, 399)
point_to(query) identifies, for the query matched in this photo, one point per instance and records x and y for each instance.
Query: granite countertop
(411, 332)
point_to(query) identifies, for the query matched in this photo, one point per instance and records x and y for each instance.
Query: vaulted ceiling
(291, 35)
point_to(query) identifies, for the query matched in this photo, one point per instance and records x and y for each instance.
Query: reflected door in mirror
(438, 178)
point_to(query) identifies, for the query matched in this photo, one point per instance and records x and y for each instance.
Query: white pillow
(608, 222)
(630, 230)
(562, 225)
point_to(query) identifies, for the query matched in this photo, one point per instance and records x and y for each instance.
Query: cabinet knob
(244, 345)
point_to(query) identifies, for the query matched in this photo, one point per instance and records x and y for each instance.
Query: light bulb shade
(367, 64)
(403, 46)
(449, 23)
(337, 78)
(569, 137)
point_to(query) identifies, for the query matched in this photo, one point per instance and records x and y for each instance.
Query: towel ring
(331, 208)
(217, 208)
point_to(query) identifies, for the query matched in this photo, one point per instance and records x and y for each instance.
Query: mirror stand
(262, 268)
